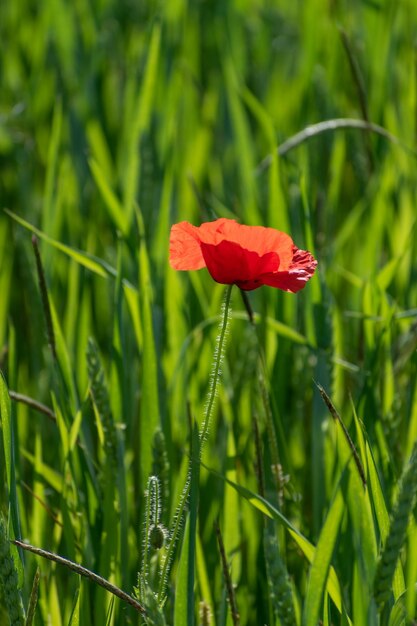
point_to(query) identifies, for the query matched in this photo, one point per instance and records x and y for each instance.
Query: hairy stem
(216, 371)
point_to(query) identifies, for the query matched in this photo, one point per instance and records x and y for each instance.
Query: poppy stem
(248, 307)
(216, 370)
(208, 412)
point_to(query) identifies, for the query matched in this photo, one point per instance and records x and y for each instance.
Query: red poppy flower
(247, 256)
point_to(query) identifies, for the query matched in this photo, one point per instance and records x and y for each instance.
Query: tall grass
(118, 119)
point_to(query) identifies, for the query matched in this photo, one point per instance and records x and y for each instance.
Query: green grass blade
(48, 213)
(110, 199)
(181, 611)
(33, 600)
(321, 562)
(149, 410)
(382, 516)
(74, 619)
(139, 122)
(98, 266)
(7, 430)
(184, 597)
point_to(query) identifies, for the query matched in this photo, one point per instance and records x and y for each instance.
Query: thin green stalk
(330, 126)
(216, 371)
(212, 395)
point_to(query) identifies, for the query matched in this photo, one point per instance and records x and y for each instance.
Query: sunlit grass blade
(75, 613)
(322, 558)
(382, 516)
(398, 614)
(138, 123)
(6, 275)
(411, 571)
(110, 200)
(243, 141)
(182, 615)
(204, 583)
(98, 266)
(149, 406)
(48, 212)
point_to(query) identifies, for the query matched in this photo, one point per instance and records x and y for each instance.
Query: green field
(117, 120)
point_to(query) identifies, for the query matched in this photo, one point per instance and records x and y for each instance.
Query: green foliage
(279, 585)
(397, 532)
(33, 599)
(100, 397)
(9, 580)
(118, 119)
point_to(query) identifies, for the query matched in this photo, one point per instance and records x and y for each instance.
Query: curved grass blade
(110, 199)
(328, 126)
(91, 262)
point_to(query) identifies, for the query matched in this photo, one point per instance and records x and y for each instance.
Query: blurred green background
(118, 119)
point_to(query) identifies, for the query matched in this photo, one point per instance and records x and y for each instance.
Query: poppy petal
(229, 263)
(248, 256)
(184, 247)
(259, 239)
(300, 271)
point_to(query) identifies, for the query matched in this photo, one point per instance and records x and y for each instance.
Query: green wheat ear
(9, 580)
(278, 579)
(398, 529)
(101, 400)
